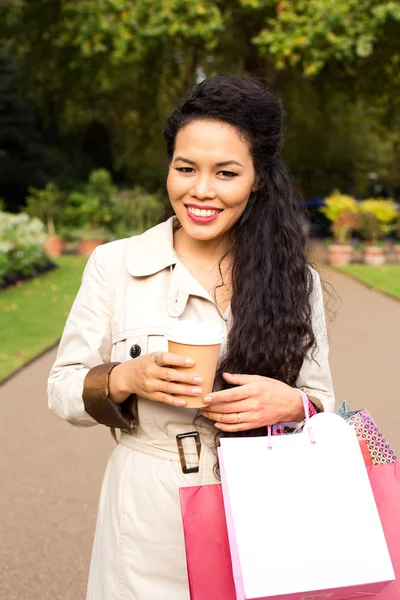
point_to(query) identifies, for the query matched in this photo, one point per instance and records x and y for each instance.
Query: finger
(228, 418)
(234, 428)
(168, 359)
(238, 379)
(169, 387)
(168, 399)
(168, 374)
(232, 395)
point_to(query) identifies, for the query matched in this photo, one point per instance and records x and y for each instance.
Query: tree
(20, 150)
(119, 66)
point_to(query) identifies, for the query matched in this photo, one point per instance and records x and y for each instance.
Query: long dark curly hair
(271, 329)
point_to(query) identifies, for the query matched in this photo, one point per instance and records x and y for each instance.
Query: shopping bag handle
(307, 419)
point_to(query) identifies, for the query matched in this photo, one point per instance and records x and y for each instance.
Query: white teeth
(202, 212)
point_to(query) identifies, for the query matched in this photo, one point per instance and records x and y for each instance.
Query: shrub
(93, 208)
(342, 211)
(21, 247)
(136, 211)
(377, 216)
(48, 205)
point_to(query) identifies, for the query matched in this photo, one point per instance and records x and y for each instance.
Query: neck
(198, 251)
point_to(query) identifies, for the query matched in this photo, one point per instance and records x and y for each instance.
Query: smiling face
(210, 179)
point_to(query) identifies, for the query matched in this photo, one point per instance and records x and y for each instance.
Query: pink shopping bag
(287, 535)
(206, 541)
(385, 482)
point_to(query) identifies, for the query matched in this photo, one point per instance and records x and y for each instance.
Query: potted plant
(376, 217)
(342, 211)
(91, 211)
(47, 205)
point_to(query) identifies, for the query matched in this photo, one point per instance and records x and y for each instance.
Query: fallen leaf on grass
(54, 298)
(4, 357)
(21, 353)
(11, 307)
(53, 287)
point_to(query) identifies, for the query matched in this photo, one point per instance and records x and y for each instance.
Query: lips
(204, 214)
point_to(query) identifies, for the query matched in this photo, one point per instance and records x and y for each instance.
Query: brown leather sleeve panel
(99, 406)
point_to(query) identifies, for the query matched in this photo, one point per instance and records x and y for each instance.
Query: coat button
(135, 351)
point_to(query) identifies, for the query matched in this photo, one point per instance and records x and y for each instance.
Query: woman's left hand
(255, 402)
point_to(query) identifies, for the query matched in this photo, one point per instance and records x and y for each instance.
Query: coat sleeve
(315, 375)
(85, 344)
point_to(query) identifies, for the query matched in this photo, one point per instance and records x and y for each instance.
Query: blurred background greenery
(87, 84)
(85, 90)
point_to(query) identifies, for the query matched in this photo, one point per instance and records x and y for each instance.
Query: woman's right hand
(144, 377)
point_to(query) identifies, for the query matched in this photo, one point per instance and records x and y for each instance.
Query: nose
(202, 188)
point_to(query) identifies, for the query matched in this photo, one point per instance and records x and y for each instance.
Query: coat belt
(167, 449)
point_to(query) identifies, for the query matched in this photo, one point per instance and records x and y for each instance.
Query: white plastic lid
(195, 333)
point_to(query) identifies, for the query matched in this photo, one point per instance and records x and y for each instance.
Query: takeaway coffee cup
(202, 342)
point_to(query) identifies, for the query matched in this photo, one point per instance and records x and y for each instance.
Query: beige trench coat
(131, 290)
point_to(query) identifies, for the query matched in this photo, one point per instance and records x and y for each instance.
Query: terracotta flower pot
(86, 247)
(397, 251)
(340, 254)
(374, 255)
(54, 245)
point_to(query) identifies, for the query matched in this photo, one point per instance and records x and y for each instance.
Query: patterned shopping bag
(366, 429)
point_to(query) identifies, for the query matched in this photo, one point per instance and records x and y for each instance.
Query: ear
(257, 184)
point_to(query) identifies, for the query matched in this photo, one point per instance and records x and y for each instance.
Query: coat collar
(152, 251)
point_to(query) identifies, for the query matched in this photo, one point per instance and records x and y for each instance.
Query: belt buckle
(181, 450)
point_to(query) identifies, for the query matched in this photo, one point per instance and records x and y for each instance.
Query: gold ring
(157, 359)
(238, 416)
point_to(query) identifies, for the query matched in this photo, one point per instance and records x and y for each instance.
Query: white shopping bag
(301, 515)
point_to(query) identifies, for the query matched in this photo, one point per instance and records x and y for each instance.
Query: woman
(233, 254)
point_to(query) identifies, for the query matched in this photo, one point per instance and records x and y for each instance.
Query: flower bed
(21, 248)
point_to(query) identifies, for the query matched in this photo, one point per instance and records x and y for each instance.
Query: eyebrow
(224, 163)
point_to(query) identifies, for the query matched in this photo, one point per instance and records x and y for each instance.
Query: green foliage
(342, 211)
(93, 208)
(337, 203)
(384, 209)
(118, 66)
(20, 151)
(377, 215)
(46, 204)
(21, 247)
(313, 33)
(136, 211)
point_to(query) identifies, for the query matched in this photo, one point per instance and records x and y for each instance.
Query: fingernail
(189, 362)
(181, 402)
(207, 398)
(196, 391)
(197, 380)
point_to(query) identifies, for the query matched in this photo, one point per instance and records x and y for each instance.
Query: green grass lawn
(33, 313)
(385, 278)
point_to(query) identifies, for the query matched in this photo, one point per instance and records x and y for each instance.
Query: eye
(184, 169)
(228, 174)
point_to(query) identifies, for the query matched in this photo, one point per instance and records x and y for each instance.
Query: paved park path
(50, 472)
